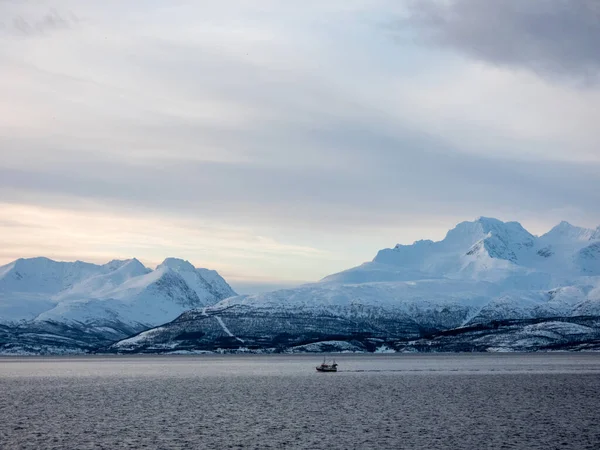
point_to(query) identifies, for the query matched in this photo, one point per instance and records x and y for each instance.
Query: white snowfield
(120, 291)
(486, 268)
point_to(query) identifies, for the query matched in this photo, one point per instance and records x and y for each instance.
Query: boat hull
(326, 369)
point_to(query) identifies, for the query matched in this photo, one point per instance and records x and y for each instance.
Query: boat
(324, 367)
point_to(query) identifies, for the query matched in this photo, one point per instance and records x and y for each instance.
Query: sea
(387, 401)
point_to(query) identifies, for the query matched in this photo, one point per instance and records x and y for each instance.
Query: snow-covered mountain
(487, 284)
(480, 265)
(487, 250)
(482, 272)
(119, 295)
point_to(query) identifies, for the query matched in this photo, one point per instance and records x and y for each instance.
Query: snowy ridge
(488, 286)
(482, 270)
(43, 290)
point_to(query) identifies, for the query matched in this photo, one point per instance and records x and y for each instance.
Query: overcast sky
(278, 141)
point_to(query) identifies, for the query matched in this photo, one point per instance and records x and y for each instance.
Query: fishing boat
(324, 367)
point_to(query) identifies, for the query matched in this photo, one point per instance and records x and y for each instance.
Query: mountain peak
(490, 224)
(479, 225)
(566, 227)
(468, 233)
(134, 267)
(30, 262)
(117, 263)
(133, 262)
(488, 221)
(474, 240)
(177, 264)
(564, 231)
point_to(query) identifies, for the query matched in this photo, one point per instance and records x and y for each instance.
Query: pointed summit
(208, 284)
(468, 233)
(177, 264)
(483, 246)
(132, 266)
(565, 232)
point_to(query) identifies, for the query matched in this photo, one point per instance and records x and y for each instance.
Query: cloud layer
(556, 38)
(305, 129)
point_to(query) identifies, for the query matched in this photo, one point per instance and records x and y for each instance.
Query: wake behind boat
(324, 367)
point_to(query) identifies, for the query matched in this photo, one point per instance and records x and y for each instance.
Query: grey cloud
(50, 21)
(313, 155)
(555, 38)
(397, 177)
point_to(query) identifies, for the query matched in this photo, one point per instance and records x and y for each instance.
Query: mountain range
(487, 286)
(52, 306)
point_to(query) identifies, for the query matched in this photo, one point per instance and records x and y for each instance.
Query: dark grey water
(541, 401)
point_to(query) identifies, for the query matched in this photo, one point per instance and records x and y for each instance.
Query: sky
(279, 142)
